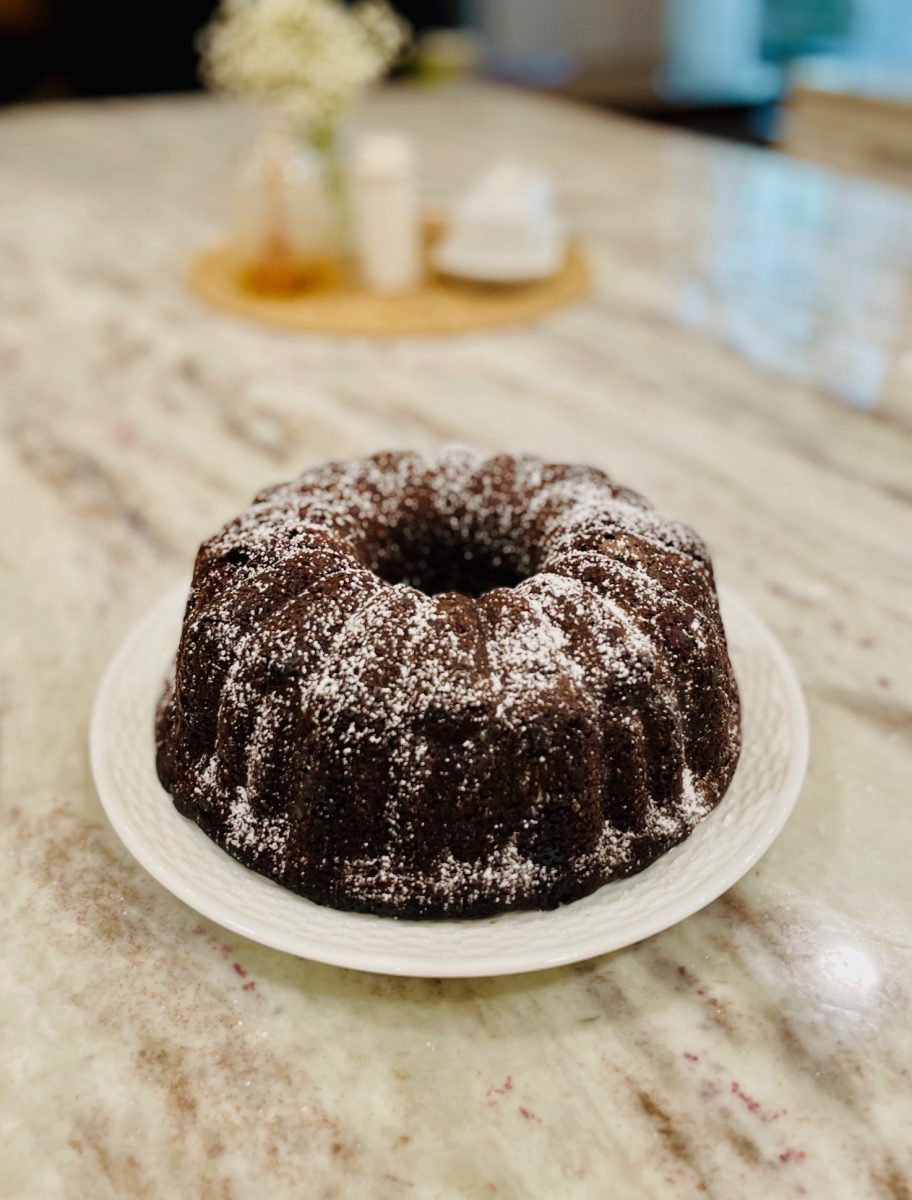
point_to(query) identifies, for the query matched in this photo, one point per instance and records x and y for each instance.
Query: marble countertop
(746, 362)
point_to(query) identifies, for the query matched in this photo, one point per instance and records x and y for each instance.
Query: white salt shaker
(385, 214)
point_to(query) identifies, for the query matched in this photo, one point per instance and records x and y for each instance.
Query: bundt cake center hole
(442, 565)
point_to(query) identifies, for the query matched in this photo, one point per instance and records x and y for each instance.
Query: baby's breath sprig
(308, 59)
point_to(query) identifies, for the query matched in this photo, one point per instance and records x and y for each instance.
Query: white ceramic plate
(721, 849)
(490, 267)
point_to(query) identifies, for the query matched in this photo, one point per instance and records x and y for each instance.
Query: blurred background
(830, 80)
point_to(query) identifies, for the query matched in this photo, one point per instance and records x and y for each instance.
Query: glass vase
(284, 233)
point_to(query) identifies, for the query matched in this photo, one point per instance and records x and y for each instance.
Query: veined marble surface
(760, 1049)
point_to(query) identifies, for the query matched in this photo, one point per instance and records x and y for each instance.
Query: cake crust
(449, 687)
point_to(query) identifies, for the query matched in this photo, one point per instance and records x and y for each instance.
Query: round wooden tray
(442, 305)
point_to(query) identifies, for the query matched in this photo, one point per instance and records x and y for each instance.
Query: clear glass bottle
(281, 228)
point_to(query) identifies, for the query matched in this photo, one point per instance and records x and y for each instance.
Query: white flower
(311, 59)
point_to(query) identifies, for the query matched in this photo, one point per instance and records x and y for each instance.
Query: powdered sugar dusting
(246, 829)
(448, 686)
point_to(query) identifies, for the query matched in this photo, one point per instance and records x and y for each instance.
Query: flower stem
(327, 143)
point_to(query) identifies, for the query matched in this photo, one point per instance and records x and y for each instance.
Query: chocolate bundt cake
(449, 688)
